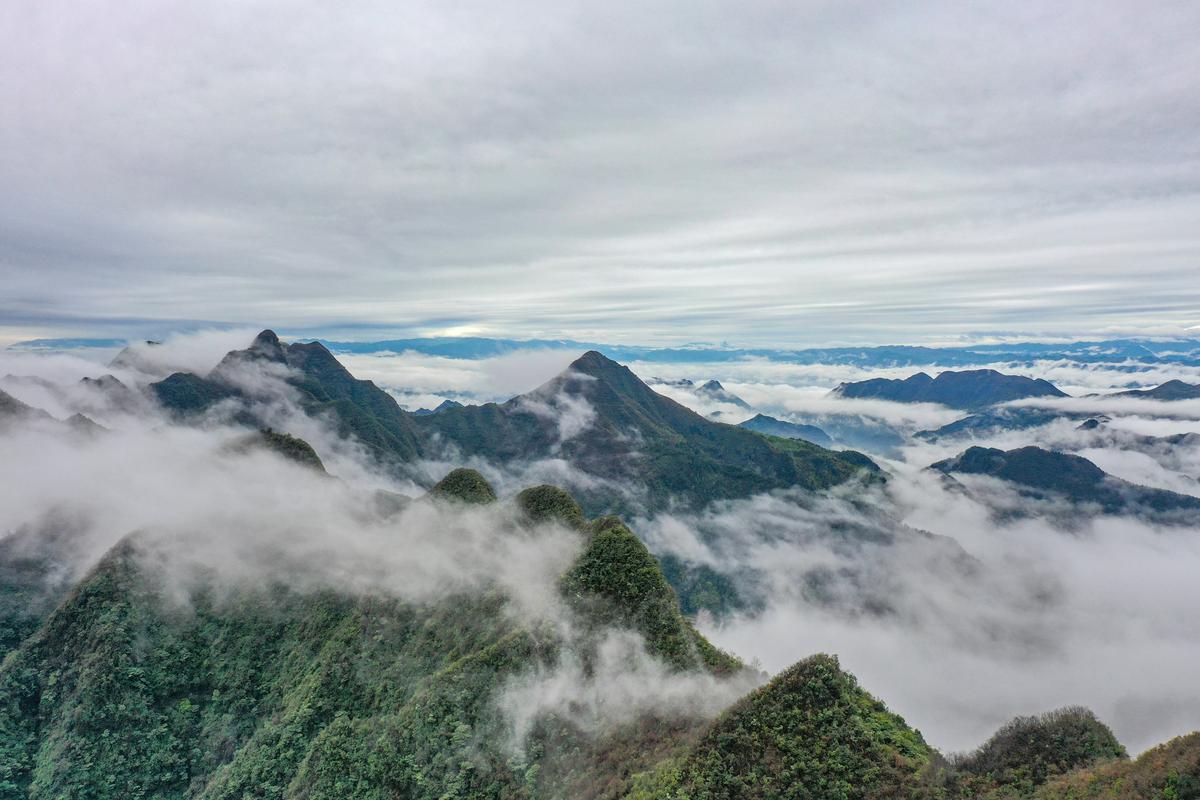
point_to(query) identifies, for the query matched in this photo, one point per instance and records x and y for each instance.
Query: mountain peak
(592, 362)
(267, 344)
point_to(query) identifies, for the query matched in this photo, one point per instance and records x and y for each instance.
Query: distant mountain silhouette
(1171, 390)
(445, 405)
(967, 389)
(789, 430)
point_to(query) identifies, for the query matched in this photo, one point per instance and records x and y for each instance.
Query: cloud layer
(764, 172)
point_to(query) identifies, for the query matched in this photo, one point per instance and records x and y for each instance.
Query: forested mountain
(274, 692)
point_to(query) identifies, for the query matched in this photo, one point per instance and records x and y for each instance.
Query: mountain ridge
(966, 389)
(1076, 478)
(596, 414)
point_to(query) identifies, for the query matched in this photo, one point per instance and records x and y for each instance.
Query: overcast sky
(783, 173)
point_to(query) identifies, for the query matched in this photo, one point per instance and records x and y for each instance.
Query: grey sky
(785, 173)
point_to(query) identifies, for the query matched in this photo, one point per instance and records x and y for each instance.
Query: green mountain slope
(1029, 751)
(268, 692)
(810, 733)
(636, 436)
(1170, 771)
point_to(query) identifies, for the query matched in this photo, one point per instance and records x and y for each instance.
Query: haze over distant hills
(1115, 351)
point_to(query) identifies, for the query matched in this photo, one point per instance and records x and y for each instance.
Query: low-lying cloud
(417, 378)
(1024, 617)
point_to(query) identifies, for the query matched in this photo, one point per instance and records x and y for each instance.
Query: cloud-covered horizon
(764, 173)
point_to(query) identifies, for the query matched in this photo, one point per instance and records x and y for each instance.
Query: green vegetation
(185, 393)
(291, 447)
(549, 503)
(616, 582)
(810, 733)
(1028, 751)
(271, 692)
(324, 387)
(30, 585)
(701, 588)
(1170, 771)
(466, 486)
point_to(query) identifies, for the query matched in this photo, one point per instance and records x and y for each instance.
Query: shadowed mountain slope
(603, 419)
(713, 390)
(1045, 473)
(992, 421)
(442, 406)
(13, 410)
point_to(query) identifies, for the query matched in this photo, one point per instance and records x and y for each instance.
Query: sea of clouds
(957, 617)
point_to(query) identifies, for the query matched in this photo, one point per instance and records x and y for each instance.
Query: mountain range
(967, 389)
(597, 415)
